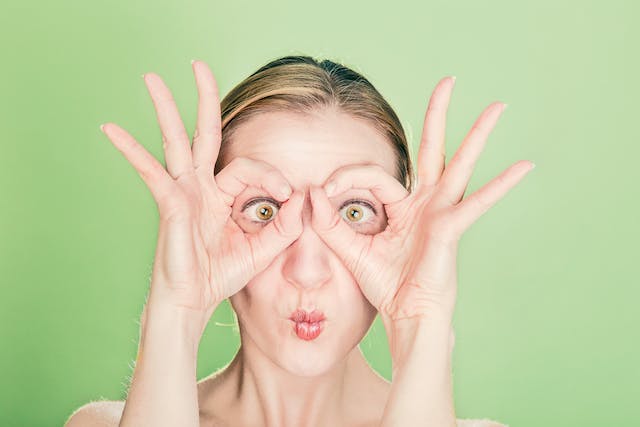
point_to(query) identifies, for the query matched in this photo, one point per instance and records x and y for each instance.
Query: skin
(286, 380)
(401, 264)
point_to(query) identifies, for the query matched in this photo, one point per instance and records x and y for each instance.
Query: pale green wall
(546, 322)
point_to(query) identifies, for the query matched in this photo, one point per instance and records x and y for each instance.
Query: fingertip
(297, 200)
(290, 215)
(285, 191)
(322, 209)
(330, 188)
(314, 194)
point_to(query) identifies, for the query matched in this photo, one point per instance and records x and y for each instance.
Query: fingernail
(504, 106)
(285, 190)
(192, 61)
(102, 127)
(454, 79)
(142, 76)
(533, 165)
(330, 188)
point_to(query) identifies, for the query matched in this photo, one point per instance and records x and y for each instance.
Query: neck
(267, 395)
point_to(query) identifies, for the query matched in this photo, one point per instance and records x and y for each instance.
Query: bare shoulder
(479, 423)
(102, 413)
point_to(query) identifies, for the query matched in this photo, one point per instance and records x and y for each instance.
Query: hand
(409, 269)
(202, 256)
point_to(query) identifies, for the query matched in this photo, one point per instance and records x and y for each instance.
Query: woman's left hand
(409, 269)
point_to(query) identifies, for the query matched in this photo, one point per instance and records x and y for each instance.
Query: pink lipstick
(307, 325)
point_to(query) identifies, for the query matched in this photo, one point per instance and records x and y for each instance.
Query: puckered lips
(307, 326)
(301, 315)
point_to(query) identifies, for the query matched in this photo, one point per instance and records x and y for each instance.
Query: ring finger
(175, 140)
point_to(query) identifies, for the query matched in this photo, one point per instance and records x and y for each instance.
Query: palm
(202, 256)
(410, 268)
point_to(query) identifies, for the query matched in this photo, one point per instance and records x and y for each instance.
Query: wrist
(163, 388)
(408, 335)
(168, 324)
(435, 319)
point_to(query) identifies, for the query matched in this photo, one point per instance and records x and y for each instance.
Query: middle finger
(458, 172)
(206, 140)
(431, 153)
(384, 187)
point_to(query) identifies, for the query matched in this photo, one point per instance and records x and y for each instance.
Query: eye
(358, 212)
(261, 210)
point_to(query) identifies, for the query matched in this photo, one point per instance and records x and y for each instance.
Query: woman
(300, 206)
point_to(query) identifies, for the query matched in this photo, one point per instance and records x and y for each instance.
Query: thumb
(349, 245)
(279, 233)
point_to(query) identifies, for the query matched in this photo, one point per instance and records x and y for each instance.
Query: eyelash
(361, 202)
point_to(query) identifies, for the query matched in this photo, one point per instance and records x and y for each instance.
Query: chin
(300, 366)
(318, 356)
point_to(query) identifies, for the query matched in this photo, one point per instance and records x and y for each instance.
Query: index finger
(374, 178)
(243, 172)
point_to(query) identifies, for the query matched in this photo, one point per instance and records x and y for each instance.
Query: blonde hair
(301, 84)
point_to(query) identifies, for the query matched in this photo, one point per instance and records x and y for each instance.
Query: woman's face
(307, 275)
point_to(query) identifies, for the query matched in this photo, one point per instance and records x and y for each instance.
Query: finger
(150, 170)
(475, 205)
(207, 136)
(386, 188)
(242, 172)
(431, 153)
(340, 237)
(279, 233)
(175, 140)
(458, 172)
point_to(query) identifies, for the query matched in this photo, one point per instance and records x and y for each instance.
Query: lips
(304, 316)
(307, 326)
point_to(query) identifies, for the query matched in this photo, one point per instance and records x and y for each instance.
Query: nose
(306, 263)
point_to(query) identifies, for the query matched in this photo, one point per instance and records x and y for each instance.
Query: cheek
(352, 302)
(263, 298)
(350, 297)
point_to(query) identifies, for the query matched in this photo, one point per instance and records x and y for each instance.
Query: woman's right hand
(202, 255)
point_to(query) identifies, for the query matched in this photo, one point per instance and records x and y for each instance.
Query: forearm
(163, 389)
(421, 388)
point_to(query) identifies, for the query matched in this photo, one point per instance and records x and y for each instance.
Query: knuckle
(481, 201)
(377, 170)
(479, 130)
(185, 174)
(198, 133)
(463, 157)
(273, 176)
(238, 163)
(434, 107)
(177, 137)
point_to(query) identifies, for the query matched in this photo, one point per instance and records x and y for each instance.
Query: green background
(546, 321)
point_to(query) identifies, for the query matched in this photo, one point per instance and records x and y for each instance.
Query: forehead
(308, 148)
